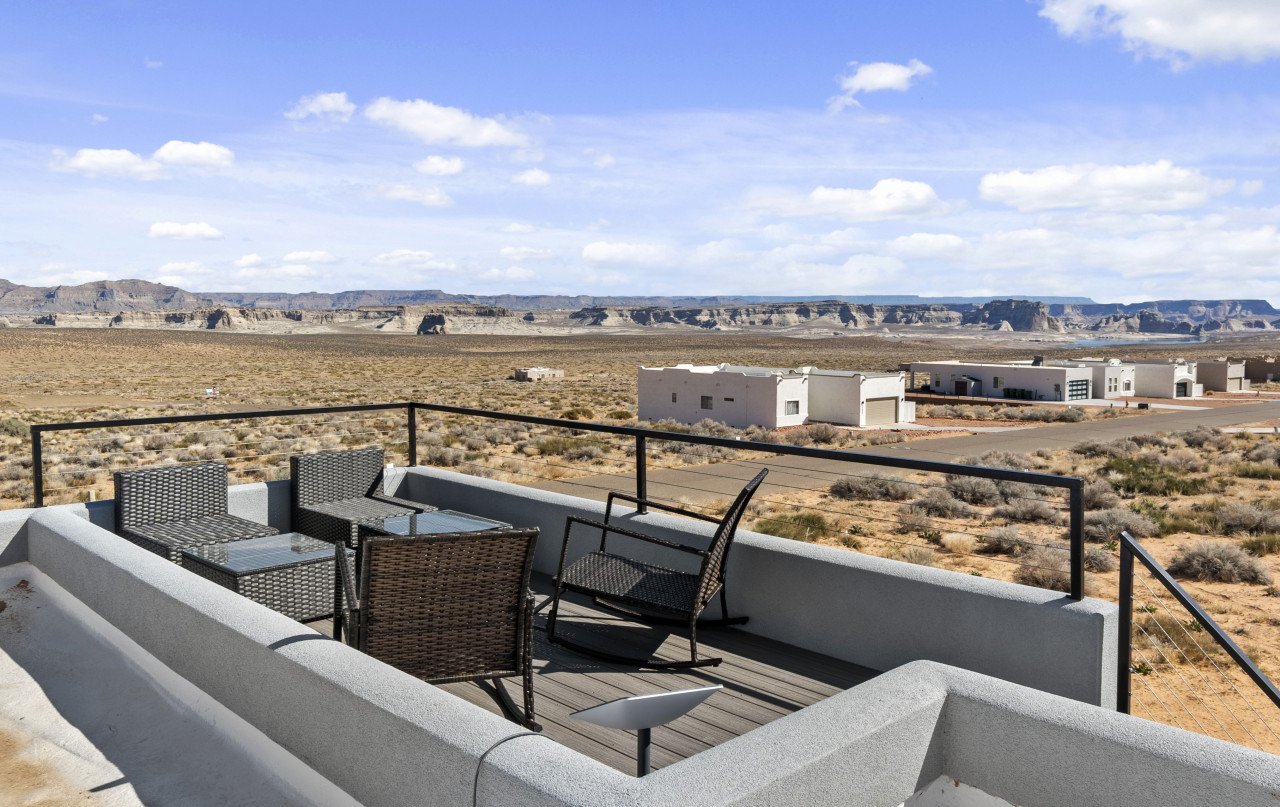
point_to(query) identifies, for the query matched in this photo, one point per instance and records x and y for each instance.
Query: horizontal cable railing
(921, 511)
(1178, 666)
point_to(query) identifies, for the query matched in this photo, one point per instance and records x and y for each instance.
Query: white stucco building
(772, 397)
(1172, 378)
(1070, 379)
(1222, 376)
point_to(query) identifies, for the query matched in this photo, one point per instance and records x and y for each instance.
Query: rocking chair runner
(656, 593)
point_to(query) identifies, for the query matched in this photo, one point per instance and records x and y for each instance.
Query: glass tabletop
(267, 552)
(435, 522)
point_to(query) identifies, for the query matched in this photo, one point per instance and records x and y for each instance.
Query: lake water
(1118, 343)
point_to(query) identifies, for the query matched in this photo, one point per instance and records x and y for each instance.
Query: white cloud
(1132, 188)
(513, 274)
(603, 252)
(108, 162)
(193, 231)
(99, 118)
(295, 270)
(874, 77)
(314, 256)
(518, 227)
(152, 64)
(526, 254)
(604, 161)
(248, 261)
(410, 259)
(534, 176)
(598, 225)
(327, 106)
(926, 245)
(1252, 187)
(200, 155)
(439, 166)
(431, 197)
(442, 124)
(1176, 30)
(180, 273)
(889, 199)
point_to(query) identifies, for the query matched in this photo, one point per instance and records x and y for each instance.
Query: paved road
(710, 483)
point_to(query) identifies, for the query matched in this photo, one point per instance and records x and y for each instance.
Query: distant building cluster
(772, 397)
(1039, 379)
(537, 373)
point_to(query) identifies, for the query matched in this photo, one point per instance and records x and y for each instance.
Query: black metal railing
(641, 443)
(1181, 676)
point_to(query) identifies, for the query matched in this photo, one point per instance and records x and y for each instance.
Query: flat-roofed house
(772, 397)
(1222, 376)
(1036, 380)
(1167, 378)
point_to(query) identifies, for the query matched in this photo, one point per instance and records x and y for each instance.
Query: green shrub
(1218, 561)
(1148, 478)
(578, 413)
(12, 427)
(1248, 470)
(1168, 521)
(876, 486)
(621, 414)
(797, 526)
(570, 448)
(1261, 545)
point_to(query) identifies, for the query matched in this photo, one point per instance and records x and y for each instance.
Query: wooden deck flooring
(763, 680)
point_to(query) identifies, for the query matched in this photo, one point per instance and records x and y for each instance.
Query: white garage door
(881, 411)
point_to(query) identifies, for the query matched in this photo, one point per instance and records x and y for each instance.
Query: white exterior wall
(1120, 373)
(755, 399)
(1161, 380)
(1215, 375)
(1049, 383)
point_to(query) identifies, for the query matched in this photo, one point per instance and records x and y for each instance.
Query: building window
(997, 382)
(937, 379)
(1128, 385)
(706, 401)
(793, 407)
(673, 397)
(728, 400)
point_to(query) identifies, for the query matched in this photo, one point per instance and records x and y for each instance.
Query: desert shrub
(1134, 475)
(1009, 460)
(476, 444)
(1169, 521)
(1098, 495)
(1101, 526)
(973, 489)
(577, 413)
(912, 521)
(877, 486)
(621, 414)
(960, 544)
(1056, 414)
(1045, 567)
(1218, 561)
(1205, 437)
(885, 439)
(442, 457)
(1098, 559)
(1253, 470)
(12, 427)
(1183, 459)
(1264, 452)
(1006, 540)
(1112, 448)
(583, 452)
(825, 433)
(759, 434)
(1157, 440)
(1026, 510)
(1262, 545)
(796, 526)
(570, 447)
(1245, 517)
(798, 437)
(919, 555)
(939, 503)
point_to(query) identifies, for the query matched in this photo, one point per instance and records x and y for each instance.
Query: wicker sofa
(166, 510)
(333, 491)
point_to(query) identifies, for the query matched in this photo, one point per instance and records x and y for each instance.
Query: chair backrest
(328, 476)
(712, 576)
(447, 607)
(173, 493)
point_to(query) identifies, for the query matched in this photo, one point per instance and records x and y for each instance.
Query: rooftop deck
(763, 680)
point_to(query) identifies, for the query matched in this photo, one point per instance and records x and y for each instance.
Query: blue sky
(1118, 149)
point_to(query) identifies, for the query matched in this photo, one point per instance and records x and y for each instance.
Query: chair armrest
(419, 506)
(352, 611)
(633, 534)
(670, 508)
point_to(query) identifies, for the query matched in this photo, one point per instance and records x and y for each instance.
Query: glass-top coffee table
(291, 573)
(433, 523)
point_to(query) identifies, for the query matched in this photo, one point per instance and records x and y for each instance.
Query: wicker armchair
(445, 608)
(166, 510)
(648, 591)
(333, 491)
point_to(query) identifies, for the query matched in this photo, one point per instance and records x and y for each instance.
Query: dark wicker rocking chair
(647, 591)
(446, 608)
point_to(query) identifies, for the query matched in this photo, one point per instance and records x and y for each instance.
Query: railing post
(1124, 656)
(37, 466)
(413, 435)
(642, 468)
(1077, 539)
